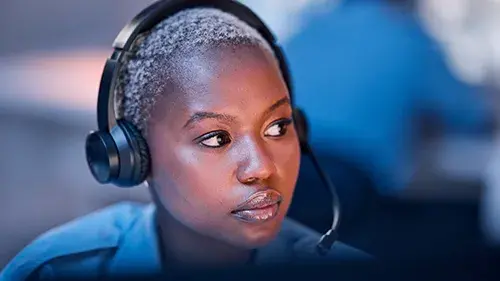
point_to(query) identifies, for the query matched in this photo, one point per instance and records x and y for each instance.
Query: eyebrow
(198, 116)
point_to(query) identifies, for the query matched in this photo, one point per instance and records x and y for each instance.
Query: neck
(183, 247)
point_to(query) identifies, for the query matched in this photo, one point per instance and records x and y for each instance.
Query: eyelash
(226, 138)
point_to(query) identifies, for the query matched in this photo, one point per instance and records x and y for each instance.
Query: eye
(215, 139)
(278, 128)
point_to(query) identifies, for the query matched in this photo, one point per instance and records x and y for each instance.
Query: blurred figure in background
(365, 72)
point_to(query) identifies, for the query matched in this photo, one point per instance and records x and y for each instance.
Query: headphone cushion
(141, 149)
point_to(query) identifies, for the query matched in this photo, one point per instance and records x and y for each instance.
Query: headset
(118, 154)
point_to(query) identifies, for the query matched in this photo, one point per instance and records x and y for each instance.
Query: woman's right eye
(215, 139)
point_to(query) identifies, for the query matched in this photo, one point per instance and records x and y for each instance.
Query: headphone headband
(161, 10)
(150, 17)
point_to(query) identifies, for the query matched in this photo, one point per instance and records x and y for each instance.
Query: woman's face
(225, 154)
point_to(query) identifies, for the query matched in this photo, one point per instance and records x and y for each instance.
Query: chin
(261, 235)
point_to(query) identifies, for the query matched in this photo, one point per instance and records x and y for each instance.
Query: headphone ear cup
(301, 126)
(140, 150)
(102, 156)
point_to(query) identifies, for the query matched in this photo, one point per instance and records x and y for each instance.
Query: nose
(257, 164)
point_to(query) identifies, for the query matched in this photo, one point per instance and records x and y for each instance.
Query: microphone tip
(326, 242)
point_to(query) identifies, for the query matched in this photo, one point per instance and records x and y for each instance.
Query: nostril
(250, 180)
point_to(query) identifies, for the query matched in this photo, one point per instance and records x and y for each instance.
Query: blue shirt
(122, 240)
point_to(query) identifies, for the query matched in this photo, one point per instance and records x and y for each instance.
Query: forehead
(239, 81)
(246, 75)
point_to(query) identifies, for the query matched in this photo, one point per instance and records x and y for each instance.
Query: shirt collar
(138, 249)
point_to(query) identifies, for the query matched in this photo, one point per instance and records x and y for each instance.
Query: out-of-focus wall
(31, 25)
(44, 180)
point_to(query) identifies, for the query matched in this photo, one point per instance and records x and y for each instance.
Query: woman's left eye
(278, 128)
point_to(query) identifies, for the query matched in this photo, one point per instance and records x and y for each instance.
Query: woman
(206, 93)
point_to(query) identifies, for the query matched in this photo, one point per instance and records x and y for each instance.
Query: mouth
(262, 206)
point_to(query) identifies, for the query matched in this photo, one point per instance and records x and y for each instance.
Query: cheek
(287, 159)
(192, 183)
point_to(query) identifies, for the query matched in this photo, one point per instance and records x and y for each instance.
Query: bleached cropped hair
(152, 62)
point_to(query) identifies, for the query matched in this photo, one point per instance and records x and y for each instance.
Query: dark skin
(221, 134)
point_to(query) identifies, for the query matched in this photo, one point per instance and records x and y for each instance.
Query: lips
(262, 206)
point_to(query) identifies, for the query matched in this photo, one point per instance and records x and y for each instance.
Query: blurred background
(402, 99)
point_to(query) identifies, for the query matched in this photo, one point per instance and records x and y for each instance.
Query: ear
(301, 126)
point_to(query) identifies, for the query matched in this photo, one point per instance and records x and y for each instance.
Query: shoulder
(84, 242)
(303, 241)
